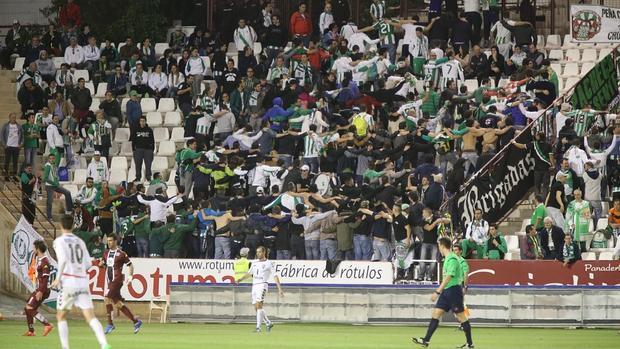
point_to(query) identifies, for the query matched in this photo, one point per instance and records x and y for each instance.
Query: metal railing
(13, 203)
(543, 119)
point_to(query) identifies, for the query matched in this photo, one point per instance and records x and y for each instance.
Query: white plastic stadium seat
(472, 85)
(586, 67)
(122, 135)
(570, 69)
(171, 176)
(604, 52)
(540, 40)
(589, 55)
(172, 119)
(258, 48)
(232, 49)
(91, 87)
(166, 105)
(570, 82)
(572, 55)
(79, 176)
(94, 104)
(19, 63)
(160, 305)
(161, 134)
(118, 163)
(160, 163)
(124, 104)
(557, 68)
(126, 149)
(102, 88)
(567, 43)
(73, 189)
(512, 242)
(606, 256)
(553, 42)
(160, 48)
(602, 223)
(556, 55)
(207, 61)
(172, 191)
(58, 61)
(81, 73)
(588, 256)
(166, 148)
(117, 176)
(154, 119)
(148, 104)
(120, 44)
(178, 134)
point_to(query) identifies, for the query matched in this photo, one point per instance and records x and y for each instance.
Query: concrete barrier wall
(500, 306)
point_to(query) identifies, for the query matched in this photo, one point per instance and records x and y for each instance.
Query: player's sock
(265, 318)
(128, 313)
(432, 326)
(109, 308)
(30, 319)
(259, 317)
(95, 325)
(63, 333)
(467, 329)
(41, 319)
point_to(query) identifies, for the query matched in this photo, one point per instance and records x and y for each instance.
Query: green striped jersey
(582, 121)
(303, 74)
(203, 124)
(386, 32)
(312, 146)
(378, 9)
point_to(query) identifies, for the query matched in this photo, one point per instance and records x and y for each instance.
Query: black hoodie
(142, 138)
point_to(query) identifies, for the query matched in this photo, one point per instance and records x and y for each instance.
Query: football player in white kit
(261, 271)
(72, 280)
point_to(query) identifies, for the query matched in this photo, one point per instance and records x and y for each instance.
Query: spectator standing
(196, 68)
(112, 110)
(31, 132)
(142, 228)
(474, 18)
(577, 220)
(184, 95)
(12, 139)
(300, 25)
(52, 185)
(556, 201)
(16, 39)
(143, 144)
(100, 132)
(134, 110)
(276, 38)
(244, 36)
(81, 100)
(70, 14)
(539, 214)
(46, 68)
(326, 18)
(55, 140)
(177, 39)
(490, 14)
(188, 158)
(495, 246)
(429, 247)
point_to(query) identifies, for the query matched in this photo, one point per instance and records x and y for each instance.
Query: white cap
(305, 168)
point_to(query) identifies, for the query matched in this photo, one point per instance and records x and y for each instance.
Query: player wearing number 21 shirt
(114, 259)
(72, 280)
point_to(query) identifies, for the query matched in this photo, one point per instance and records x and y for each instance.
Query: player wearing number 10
(72, 279)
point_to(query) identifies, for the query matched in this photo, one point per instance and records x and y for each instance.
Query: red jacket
(300, 24)
(70, 12)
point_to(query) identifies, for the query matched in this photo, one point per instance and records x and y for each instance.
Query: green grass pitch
(304, 336)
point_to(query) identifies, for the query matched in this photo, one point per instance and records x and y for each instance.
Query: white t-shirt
(341, 66)
(410, 37)
(13, 138)
(361, 40)
(261, 271)
(74, 260)
(471, 6)
(347, 30)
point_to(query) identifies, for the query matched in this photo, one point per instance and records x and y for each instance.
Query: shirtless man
(469, 142)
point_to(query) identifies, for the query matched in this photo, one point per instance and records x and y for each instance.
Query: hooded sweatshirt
(277, 115)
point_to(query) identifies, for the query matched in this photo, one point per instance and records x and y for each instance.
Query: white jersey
(502, 34)
(362, 41)
(73, 261)
(452, 70)
(261, 271)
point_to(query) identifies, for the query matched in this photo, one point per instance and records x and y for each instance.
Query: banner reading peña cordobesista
(594, 23)
(497, 192)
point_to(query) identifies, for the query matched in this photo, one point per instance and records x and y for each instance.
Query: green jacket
(492, 252)
(143, 228)
(50, 175)
(174, 239)
(157, 237)
(187, 157)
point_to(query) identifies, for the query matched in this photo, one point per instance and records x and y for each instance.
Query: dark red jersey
(114, 261)
(43, 274)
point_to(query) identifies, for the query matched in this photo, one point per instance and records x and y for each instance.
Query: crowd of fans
(335, 146)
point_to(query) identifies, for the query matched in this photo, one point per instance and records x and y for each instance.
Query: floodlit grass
(304, 336)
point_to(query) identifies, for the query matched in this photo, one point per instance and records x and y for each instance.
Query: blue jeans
(347, 255)
(312, 249)
(283, 254)
(381, 250)
(313, 163)
(329, 248)
(142, 244)
(287, 159)
(391, 51)
(362, 247)
(222, 247)
(29, 154)
(429, 252)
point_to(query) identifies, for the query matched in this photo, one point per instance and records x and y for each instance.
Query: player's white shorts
(258, 292)
(69, 297)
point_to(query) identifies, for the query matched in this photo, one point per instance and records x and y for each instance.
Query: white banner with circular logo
(594, 23)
